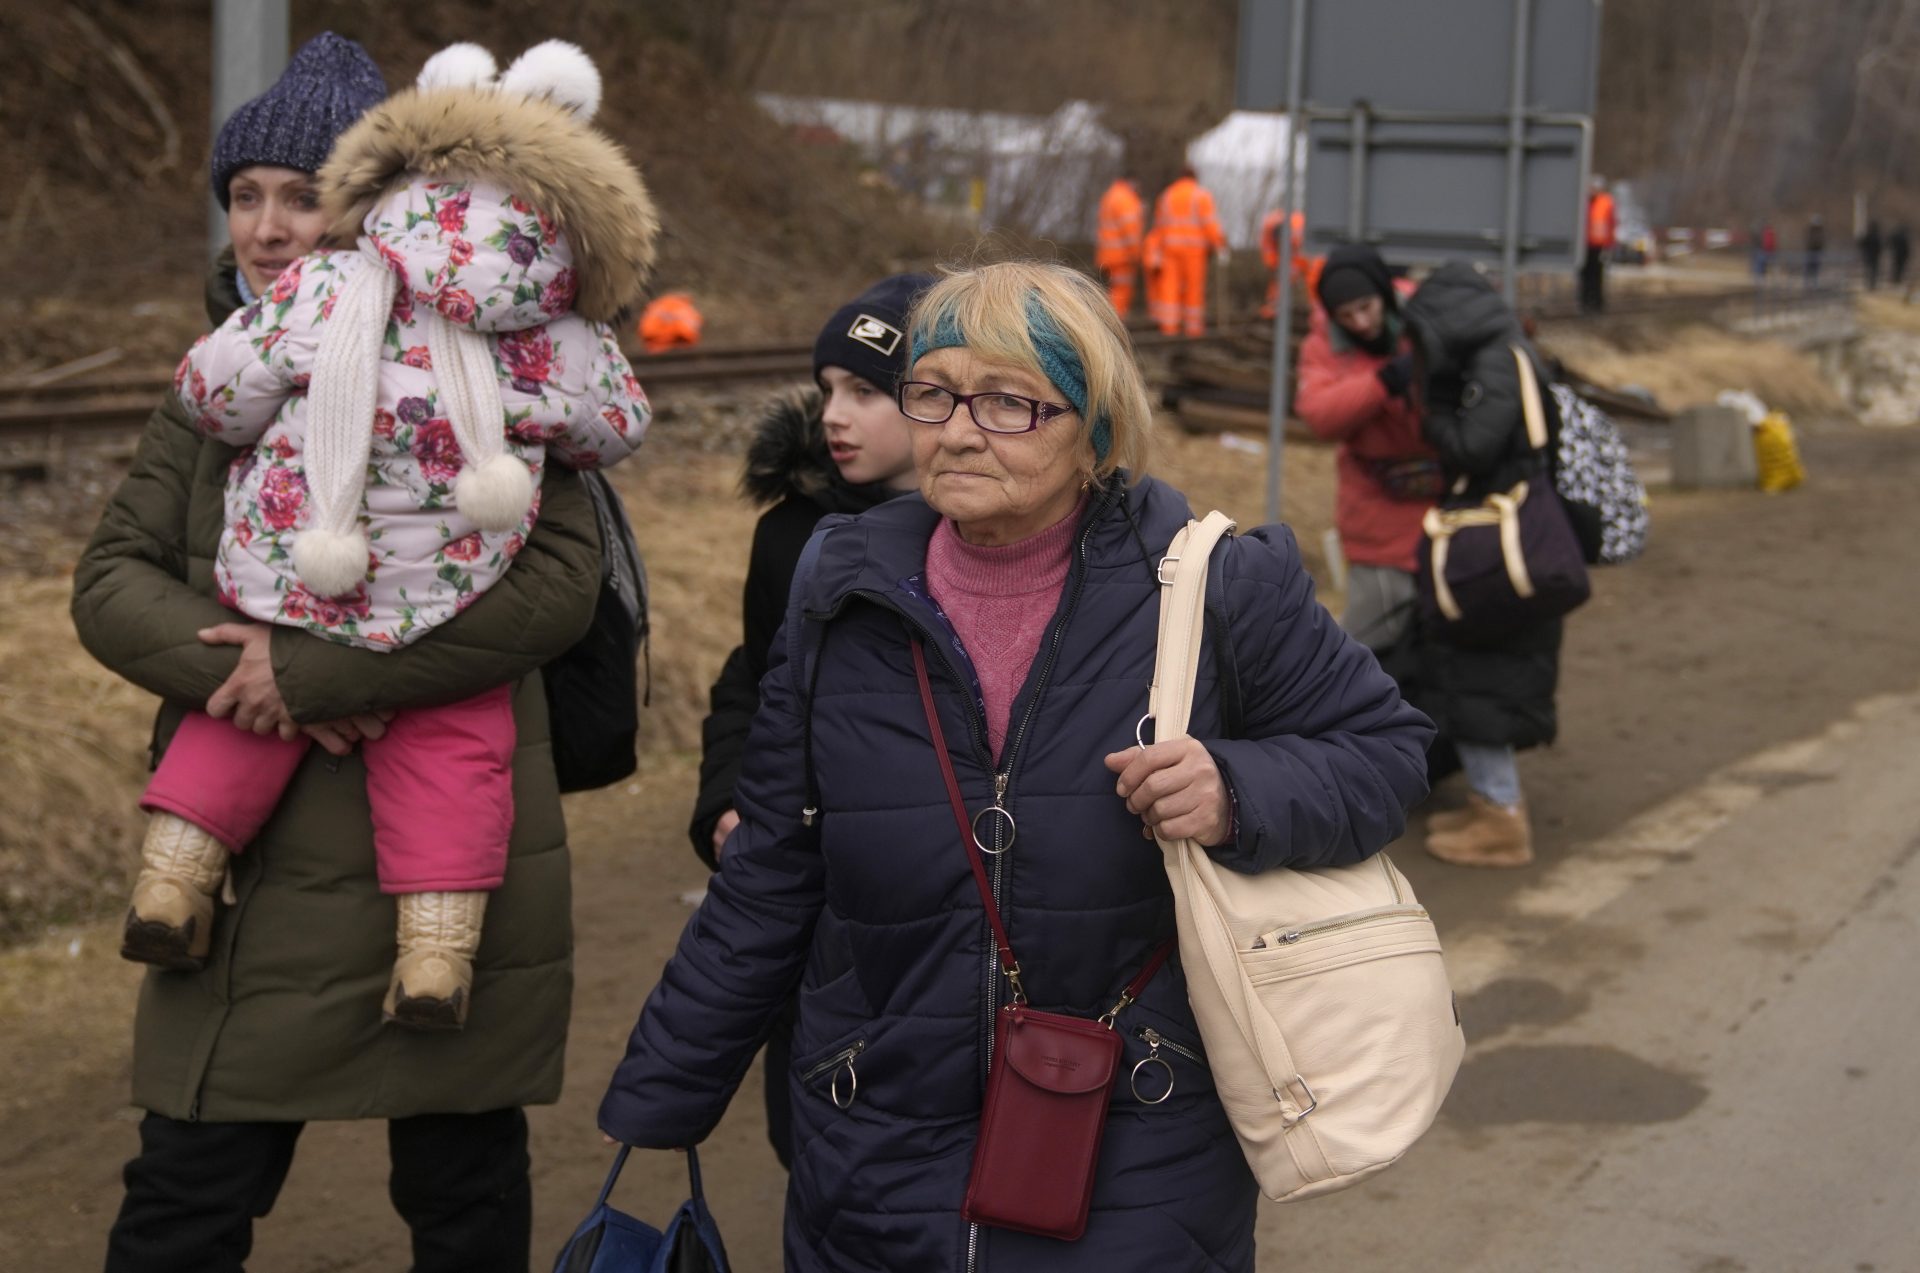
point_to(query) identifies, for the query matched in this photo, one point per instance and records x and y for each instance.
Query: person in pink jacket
(1355, 370)
(399, 397)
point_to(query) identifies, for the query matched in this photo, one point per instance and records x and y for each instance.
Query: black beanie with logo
(868, 335)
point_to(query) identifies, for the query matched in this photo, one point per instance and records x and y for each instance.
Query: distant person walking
(1189, 228)
(1122, 227)
(1899, 249)
(1603, 231)
(1871, 246)
(1766, 242)
(1816, 244)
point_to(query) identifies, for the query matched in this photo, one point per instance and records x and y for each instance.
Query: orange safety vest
(1185, 211)
(669, 321)
(1305, 268)
(1122, 221)
(1601, 225)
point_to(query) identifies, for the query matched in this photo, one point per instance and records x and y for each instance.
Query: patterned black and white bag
(1594, 470)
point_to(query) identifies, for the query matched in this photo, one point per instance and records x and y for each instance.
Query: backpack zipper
(1288, 936)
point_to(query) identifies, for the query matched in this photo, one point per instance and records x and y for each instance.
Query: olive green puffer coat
(284, 1023)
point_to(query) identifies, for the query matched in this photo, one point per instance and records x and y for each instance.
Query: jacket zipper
(833, 1062)
(1154, 1039)
(1002, 781)
(1287, 936)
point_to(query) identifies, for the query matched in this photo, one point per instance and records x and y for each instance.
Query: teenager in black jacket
(838, 446)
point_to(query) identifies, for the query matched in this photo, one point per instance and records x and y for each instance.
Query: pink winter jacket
(483, 259)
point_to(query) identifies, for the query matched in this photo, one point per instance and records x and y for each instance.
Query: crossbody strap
(1008, 964)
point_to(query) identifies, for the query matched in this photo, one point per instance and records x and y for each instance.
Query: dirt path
(1753, 620)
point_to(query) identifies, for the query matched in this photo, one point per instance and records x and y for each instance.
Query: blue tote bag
(611, 1241)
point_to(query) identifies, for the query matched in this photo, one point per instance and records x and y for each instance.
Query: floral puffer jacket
(483, 259)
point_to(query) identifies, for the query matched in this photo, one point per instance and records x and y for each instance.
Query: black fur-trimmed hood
(788, 456)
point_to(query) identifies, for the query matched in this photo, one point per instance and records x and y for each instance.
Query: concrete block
(1713, 446)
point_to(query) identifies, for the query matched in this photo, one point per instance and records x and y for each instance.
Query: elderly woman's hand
(249, 695)
(1176, 789)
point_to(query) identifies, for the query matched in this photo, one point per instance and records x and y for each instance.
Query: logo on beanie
(875, 334)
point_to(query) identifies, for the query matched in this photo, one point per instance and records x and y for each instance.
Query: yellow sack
(1778, 456)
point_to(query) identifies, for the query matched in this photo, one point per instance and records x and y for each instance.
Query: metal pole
(1516, 144)
(1357, 174)
(249, 52)
(1283, 317)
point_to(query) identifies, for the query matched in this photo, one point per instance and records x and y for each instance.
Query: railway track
(102, 407)
(38, 421)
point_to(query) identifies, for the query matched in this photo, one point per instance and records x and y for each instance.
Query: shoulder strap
(1530, 400)
(1183, 580)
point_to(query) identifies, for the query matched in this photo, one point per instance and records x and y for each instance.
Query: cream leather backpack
(1320, 993)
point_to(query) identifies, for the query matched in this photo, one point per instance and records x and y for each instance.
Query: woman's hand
(1176, 789)
(722, 829)
(249, 695)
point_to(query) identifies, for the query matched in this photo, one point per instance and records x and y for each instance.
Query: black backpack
(593, 690)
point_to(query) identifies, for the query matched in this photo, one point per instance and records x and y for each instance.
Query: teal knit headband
(1058, 360)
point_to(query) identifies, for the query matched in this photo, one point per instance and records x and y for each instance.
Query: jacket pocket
(836, 1075)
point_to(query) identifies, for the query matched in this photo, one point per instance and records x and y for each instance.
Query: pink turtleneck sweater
(1000, 600)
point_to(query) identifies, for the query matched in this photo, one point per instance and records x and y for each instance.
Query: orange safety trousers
(1121, 281)
(1184, 292)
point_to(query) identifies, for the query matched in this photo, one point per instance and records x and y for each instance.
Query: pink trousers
(439, 784)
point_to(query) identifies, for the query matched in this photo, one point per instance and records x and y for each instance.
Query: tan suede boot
(1449, 820)
(433, 977)
(170, 923)
(1488, 835)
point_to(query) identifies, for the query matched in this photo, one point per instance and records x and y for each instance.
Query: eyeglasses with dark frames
(993, 410)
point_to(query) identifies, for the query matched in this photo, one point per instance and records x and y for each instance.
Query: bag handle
(1170, 702)
(1501, 509)
(620, 1160)
(1530, 405)
(1008, 964)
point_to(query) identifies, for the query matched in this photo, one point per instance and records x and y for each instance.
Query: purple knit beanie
(329, 83)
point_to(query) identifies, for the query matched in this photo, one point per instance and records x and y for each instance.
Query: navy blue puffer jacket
(872, 910)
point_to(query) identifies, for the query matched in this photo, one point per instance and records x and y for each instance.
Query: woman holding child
(274, 1016)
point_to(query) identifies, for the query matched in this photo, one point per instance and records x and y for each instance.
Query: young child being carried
(399, 399)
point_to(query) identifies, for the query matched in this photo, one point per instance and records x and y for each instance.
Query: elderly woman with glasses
(1010, 608)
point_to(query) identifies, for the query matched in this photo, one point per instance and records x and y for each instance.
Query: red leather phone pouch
(1047, 1093)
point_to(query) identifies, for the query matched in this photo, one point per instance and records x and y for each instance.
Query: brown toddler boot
(170, 923)
(1486, 835)
(433, 977)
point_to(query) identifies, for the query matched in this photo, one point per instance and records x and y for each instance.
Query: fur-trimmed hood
(788, 456)
(539, 150)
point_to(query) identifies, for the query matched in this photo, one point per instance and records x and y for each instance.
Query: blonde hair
(989, 306)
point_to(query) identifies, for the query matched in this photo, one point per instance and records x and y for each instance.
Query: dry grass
(1690, 365)
(1888, 312)
(72, 760)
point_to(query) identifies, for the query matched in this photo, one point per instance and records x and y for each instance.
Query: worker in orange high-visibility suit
(1603, 231)
(670, 321)
(1153, 260)
(1306, 269)
(1118, 245)
(1190, 234)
